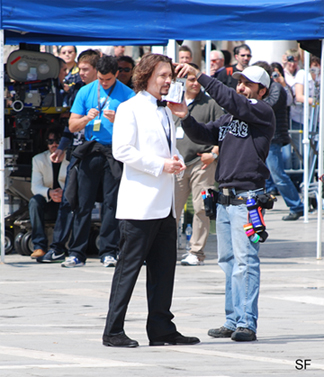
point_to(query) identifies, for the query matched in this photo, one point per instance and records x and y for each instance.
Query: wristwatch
(215, 155)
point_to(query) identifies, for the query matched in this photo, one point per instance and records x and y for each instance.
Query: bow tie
(161, 103)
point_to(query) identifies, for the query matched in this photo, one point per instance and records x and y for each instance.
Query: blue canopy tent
(134, 22)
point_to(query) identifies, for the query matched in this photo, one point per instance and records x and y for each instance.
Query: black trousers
(153, 241)
(39, 211)
(95, 170)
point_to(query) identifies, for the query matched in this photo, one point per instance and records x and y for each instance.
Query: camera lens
(290, 58)
(275, 75)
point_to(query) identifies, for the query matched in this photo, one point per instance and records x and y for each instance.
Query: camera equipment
(256, 228)
(31, 87)
(210, 199)
(176, 91)
(275, 75)
(290, 59)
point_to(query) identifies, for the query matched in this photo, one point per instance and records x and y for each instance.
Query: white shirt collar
(149, 96)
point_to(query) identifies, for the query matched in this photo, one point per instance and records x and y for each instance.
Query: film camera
(31, 107)
(290, 59)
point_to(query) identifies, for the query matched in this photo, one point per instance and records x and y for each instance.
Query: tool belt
(230, 196)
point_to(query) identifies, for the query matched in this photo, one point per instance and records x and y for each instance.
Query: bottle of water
(188, 236)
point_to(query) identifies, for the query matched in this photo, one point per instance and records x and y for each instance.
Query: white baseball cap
(255, 74)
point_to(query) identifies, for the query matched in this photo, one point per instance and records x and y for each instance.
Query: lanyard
(103, 105)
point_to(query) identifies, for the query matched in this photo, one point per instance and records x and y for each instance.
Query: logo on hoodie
(236, 128)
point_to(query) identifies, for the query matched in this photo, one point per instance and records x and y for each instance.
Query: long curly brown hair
(143, 71)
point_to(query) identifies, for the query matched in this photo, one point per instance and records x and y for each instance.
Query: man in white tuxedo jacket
(144, 140)
(47, 183)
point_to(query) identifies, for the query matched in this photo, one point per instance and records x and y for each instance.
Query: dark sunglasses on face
(120, 69)
(52, 141)
(246, 55)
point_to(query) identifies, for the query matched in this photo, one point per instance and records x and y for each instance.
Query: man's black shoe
(222, 332)
(242, 334)
(175, 338)
(293, 216)
(119, 340)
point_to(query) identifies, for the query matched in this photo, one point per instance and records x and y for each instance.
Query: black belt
(231, 196)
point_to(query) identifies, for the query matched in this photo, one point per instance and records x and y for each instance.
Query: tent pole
(207, 61)
(320, 160)
(2, 223)
(172, 50)
(306, 135)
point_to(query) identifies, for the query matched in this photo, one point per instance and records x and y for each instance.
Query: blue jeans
(270, 185)
(238, 258)
(39, 211)
(282, 180)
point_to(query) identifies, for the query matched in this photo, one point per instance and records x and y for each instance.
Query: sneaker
(51, 257)
(191, 260)
(72, 262)
(185, 254)
(293, 216)
(222, 332)
(109, 261)
(242, 334)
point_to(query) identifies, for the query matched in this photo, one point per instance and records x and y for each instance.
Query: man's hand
(56, 194)
(206, 159)
(178, 109)
(185, 69)
(57, 156)
(280, 79)
(173, 165)
(92, 114)
(110, 115)
(66, 87)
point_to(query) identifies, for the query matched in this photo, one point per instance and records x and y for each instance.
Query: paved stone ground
(52, 318)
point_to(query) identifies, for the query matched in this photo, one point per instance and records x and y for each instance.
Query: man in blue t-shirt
(94, 111)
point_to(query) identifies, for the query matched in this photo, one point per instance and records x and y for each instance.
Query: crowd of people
(141, 157)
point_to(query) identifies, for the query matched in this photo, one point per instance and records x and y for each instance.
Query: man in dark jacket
(243, 55)
(243, 136)
(277, 99)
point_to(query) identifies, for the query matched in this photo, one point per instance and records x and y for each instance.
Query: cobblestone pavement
(52, 318)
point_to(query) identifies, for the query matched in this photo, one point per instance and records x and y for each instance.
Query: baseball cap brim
(255, 74)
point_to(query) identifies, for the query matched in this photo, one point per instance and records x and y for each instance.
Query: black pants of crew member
(153, 241)
(63, 224)
(39, 211)
(94, 170)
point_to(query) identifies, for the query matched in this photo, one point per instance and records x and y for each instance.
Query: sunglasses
(52, 141)
(120, 69)
(247, 55)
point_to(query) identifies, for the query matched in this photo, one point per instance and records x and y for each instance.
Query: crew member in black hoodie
(243, 136)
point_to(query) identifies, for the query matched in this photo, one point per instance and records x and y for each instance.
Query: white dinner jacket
(42, 174)
(139, 141)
